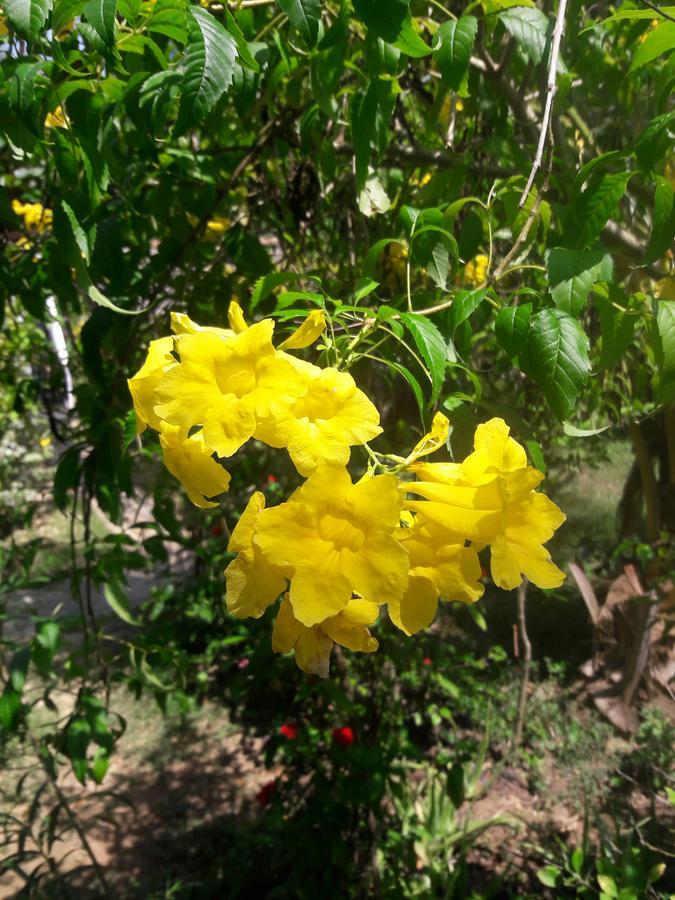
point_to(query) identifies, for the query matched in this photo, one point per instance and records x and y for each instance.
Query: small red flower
(343, 736)
(266, 792)
(243, 662)
(289, 731)
(426, 661)
(272, 479)
(216, 530)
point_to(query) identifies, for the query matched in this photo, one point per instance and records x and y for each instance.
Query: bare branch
(657, 9)
(550, 95)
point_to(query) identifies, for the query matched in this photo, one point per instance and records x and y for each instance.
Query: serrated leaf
(659, 41)
(64, 13)
(655, 141)
(453, 44)
(432, 347)
(530, 28)
(572, 274)
(597, 204)
(663, 222)
(464, 305)
(243, 50)
(77, 230)
(616, 330)
(557, 353)
(100, 14)
(435, 247)
(27, 17)
(511, 327)
(410, 42)
(304, 16)
(208, 67)
(22, 93)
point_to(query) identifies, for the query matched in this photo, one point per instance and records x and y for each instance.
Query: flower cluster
(338, 551)
(35, 216)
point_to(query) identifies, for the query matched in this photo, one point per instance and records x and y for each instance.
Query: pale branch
(551, 86)
(657, 9)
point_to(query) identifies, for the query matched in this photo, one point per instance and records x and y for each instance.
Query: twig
(527, 660)
(550, 95)
(657, 9)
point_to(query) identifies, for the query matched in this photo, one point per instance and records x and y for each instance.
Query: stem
(527, 660)
(650, 490)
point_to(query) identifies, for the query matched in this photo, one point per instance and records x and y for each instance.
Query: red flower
(426, 661)
(289, 731)
(266, 792)
(272, 479)
(216, 530)
(343, 736)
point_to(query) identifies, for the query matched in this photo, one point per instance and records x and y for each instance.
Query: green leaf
(453, 44)
(413, 382)
(655, 141)
(66, 476)
(434, 247)
(549, 875)
(370, 115)
(511, 327)
(304, 16)
(663, 222)
(100, 14)
(432, 347)
(27, 17)
(530, 28)
(129, 428)
(464, 305)
(595, 206)
(117, 600)
(664, 316)
(616, 329)
(18, 668)
(409, 41)
(574, 431)
(10, 709)
(78, 232)
(659, 41)
(243, 50)
(268, 283)
(64, 13)
(385, 18)
(208, 67)
(572, 274)
(608, 885)
(557, 352)
(94, 294)
(169, 17)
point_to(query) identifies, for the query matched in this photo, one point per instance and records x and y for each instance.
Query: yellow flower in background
(337, 539)
(440, 567)
(475, 271)
(217, 226)
(45, 442)
(321, 425)
(490, 499)
(143, 385)
(57, 119)
(310, 330)
(227, 385)
(191, 462)
(35, 216)
(3, 26)
(252, 583)
(312, 646)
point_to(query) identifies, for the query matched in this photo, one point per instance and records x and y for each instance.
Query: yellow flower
(312, 646)
(183, 324)
(227, 385)
(305, 335)
(143, 385)
(321, 425)
(235, 316)
(337, 538)
(252, 583)
(490, 499)
(475, 271)
(440, 566)
(191, 462)
(437, 437)
(217, 226)
(56, 119)
(3, 26)
(35, 216)
(45, 442)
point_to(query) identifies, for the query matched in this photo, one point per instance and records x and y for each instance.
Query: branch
(550, 95)
(657, 9)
